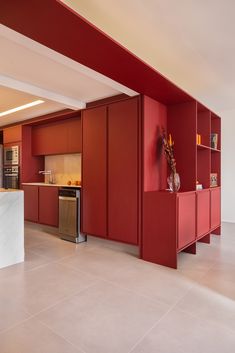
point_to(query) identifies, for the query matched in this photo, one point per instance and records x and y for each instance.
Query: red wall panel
(123, 171)
(94, 171)
(155, 166)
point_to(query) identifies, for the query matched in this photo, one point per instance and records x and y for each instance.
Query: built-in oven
(11, 155)
(11, 177)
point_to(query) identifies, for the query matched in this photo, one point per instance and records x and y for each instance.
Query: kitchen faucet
(48, 172)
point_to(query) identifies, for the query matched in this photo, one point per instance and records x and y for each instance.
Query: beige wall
(64, 167)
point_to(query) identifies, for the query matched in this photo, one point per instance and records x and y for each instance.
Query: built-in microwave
(11, 155)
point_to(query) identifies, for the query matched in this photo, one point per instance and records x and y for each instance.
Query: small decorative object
(213, 180)
(199, 139)
(174, 179)
(199, 186)
(214, 141)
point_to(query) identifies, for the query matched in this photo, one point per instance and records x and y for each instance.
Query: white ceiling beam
(64, 60)
(69, 102)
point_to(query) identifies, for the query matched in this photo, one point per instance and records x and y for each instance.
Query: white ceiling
(189, 41)
(29, 71)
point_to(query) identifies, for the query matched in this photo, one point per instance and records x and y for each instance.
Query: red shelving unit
(175, 222)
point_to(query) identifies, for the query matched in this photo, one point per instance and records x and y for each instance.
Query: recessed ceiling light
(21, 107)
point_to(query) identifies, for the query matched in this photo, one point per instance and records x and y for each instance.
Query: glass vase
(174, 182)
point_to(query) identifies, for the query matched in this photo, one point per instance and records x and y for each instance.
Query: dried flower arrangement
(168, 146)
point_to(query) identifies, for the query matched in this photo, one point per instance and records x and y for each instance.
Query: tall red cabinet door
(94, 171)
(215, 208)
(123, 171)
(203, 212)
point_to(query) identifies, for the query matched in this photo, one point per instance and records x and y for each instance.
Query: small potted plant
(168, 146)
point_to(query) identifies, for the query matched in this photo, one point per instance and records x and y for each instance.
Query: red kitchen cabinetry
(48, 205)
(203, 212)
(215, 208)
(123, 175)
(41, 204)
(186, 218)
(94, 171)
(30, 202)
(12, 134)
(58, 137)
(110, 159)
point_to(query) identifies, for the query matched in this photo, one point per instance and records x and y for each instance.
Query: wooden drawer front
(215, 208)
(186, 207)
(203, 212)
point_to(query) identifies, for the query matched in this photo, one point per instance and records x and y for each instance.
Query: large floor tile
(42, 287)
(34, 337)
(156, 282)
(179, 332)
(104, 318)
(101, 262)
(208, 304)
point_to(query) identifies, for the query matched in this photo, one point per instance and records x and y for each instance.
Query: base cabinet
(41, 204)
(190, 217)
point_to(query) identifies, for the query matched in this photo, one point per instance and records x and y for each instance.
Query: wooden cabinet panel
(12, 134)
(123, 171)
(215, 208)
(48, 205)
(57, 138)
(203, 212)
(30, 202)
(74, 131)
(94, 174)
(186, 205)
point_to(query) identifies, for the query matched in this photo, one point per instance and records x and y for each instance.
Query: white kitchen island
(11, 227)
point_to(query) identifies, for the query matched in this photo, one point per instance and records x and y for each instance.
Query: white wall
(228, 165)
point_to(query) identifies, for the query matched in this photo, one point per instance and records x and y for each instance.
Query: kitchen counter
(11, 227)
(58, 185)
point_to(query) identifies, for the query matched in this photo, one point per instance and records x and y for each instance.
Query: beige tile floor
(98, 297)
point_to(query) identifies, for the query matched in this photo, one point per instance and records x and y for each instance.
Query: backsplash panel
(65, 167)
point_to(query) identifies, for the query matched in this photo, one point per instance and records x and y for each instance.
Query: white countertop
(10, 190)
(58, 185)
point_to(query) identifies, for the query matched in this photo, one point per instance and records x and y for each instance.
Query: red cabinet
(30, 203)
(48, 205)
(94, 172)
(123, 171)
(203, 212)
(12, 134)
(110, 194)
(57, 138)
(186, 216)
(41, 204)
(215, 208)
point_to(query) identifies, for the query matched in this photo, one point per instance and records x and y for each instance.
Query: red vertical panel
(186, 219)
(30, 165)
(123, 171)
(159, 228)
(182, 125)
(48, 205)
(203, 212)
(155, 166)
(30, 203)
(94, 173)
(74, 135)
(215, 208)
